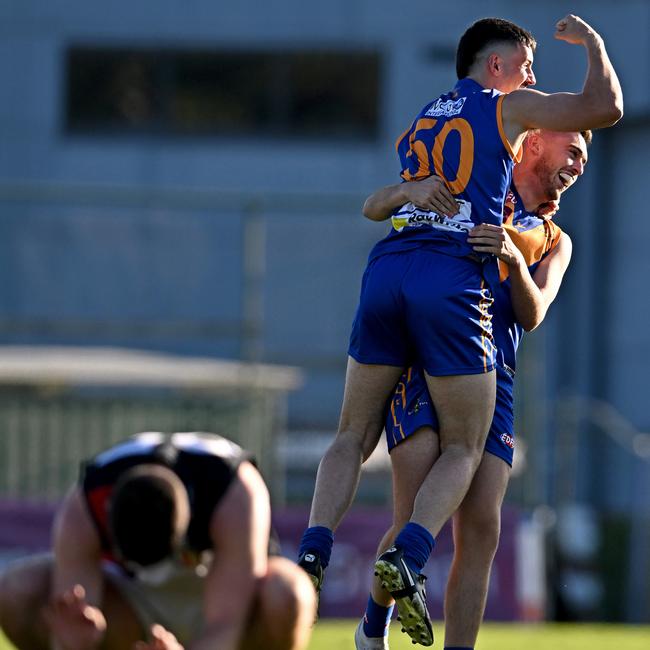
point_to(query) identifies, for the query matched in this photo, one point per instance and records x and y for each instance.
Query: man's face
(515, 68)
(562, 160)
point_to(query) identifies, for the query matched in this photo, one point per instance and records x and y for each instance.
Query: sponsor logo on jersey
(508, 440)
(411, 217)
(446, 108)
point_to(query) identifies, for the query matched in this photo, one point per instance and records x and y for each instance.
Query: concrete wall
(140, 241)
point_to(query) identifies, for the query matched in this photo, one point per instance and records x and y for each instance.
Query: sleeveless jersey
(459, 137)
(205, 463)
(410, 407)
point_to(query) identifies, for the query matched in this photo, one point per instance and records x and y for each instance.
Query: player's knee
(287, 595)
(16, 589)
(24, 589)
(481, 527)
(360, 436)
(464, 452)
(346, 446)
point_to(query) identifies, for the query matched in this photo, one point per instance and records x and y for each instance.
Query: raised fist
(573, 29)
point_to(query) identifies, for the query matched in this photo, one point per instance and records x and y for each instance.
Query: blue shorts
(410, 409)
(425, 305)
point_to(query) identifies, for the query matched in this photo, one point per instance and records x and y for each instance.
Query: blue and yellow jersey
(410, 405)
(459, 137)
(535, 238)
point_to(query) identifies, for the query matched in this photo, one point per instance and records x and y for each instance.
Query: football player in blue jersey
(534, 254)
(427, 294)
(163, 544)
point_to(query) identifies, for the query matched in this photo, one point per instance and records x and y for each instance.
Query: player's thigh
(411, 460)
(479, 515)
(367, 389)
(465, 407)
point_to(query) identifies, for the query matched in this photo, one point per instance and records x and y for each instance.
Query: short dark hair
(143, 515)
(482, 33)
(588, 136)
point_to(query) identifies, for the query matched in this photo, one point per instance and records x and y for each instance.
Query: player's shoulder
(564, 240)
(452, 102)
(557, 236)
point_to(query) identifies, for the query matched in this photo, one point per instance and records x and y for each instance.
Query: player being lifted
(427, 295)
(534, 254)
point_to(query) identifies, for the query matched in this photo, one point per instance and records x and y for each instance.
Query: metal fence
(58, 407)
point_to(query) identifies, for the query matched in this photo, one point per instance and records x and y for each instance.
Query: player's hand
(73, 623)
(160, 639)
(487, 238)
(574, 30)
(548, 209)
(431, 194)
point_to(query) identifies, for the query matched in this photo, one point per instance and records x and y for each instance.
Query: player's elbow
(530, 325)
(617, 111)
(370, 211)
(613, 114)
(532, 320)
(609, 111)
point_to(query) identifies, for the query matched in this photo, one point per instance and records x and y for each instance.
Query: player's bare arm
(240, 533)
(73, 613)
(530, 303)
(428, 194)
(550, 271)
(600, 104)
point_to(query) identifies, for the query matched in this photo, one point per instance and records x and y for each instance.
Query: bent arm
(77, 550)
(381, 204)
(428, 194)
(240, 534)
(532, 296)
(600, 103)
(74, 616)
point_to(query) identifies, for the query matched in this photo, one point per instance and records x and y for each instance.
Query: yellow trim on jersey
(487, 342)
(533, 244)
(506, 143)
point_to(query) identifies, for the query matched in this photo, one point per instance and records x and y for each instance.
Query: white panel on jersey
(141, 443)
(205, 443)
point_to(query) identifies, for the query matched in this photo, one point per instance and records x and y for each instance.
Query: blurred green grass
(338, 635)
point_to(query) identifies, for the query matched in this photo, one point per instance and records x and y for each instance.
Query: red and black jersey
(206, 464)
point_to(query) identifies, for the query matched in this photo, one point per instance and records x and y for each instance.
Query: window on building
(311, 94)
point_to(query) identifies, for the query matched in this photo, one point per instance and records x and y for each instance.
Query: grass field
(337, 635)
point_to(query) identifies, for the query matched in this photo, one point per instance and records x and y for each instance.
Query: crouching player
(534, 254)
(163, 544)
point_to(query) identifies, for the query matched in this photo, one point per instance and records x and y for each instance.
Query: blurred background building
(186, 178)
